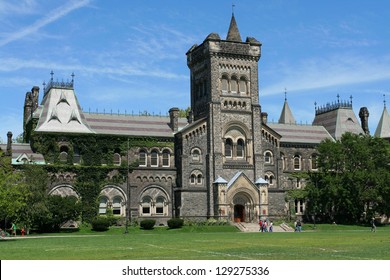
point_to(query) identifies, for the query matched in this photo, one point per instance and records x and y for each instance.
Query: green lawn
(327, 242)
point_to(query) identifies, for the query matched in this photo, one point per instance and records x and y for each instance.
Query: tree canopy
(353, 179)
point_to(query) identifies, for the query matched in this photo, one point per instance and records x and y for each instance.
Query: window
(225, 85)
(142, 158)
(314, 159)
(240, 148)
(117, 159)
(195, 155)
(146, 205)
(116, 206)
(228, 148)
(160, 205)
(268, 157)
(234, 85)
(297, 162)
(299, 206)
(154, 158)
(63, 154)
(199, 179)
(242, 86)
(193, 179)
(76, 155)
(166, 158)
(103, 205)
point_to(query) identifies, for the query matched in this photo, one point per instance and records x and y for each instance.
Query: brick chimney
(363, 114)
(9, 144)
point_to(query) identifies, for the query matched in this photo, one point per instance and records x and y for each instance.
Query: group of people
(4, 233)
(265, 226)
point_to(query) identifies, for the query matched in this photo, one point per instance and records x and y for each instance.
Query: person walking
(373, 226)
(261, 225)
(13, 229)
(271, 226)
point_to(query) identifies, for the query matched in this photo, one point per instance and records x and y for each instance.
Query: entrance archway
(239, 213)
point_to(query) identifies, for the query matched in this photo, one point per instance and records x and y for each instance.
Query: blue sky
(130, 55)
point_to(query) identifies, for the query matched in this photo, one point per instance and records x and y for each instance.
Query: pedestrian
(265, 225)
(271, 226)
(13, 229)
(299, 226)
(295, 226)
(261, 225)
(22, 231)
(373, 226)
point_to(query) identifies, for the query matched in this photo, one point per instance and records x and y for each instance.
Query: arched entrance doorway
(243, 208)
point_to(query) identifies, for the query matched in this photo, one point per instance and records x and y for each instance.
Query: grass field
(327, 242)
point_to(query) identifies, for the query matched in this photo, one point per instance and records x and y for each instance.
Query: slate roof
(294, 133)
(131, 125)
(383, 128)
(339, 121)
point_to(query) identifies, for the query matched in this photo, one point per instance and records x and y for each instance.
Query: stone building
(224, 161)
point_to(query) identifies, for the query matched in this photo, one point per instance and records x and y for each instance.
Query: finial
(384, 100)
(338, 98)
(233, 8)
(285, 94)
(315, 105)
(51, 74)
(44, 85)
(73, 76)
(351, 99)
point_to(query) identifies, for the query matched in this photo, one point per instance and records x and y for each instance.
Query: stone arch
(64, 190)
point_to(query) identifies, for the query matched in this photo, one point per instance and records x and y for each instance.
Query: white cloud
(51, 17)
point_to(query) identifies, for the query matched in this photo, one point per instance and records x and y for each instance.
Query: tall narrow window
(240, 148)
(116, 206)
(142, 158)
(195, 155)
(166, 158)
(228, 148)
(267, 157)
(225, 85)
(193, 179)
(242, 86)
(146, 205)
(103, 205)
(160, 205)
(117, 159)
(314, 159)
(297, 162)
(154, 158)
(64, 154)
(234, 85)
(199, 179)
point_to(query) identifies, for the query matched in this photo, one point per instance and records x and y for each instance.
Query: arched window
(225, 85)
(154, 158)
(195, 155)
(199, 179)
(234, 85)
(299, 206)
(166, 158)
(116, 206)
(64, 154)
(117, 159)
(146, 205)
(193, 179)
(76, 155)
(240, 148)
(268, 157)
(142, 158)
(228, 148)
(314, 162)
(243, 86)
(160, 201)
(297, 162)
(103, 201)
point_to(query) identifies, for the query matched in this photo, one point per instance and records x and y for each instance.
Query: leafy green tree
(353, 179)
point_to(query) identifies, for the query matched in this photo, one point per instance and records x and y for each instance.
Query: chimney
(363, 114)
(9, 143)
(174, 119)
(35, 97)
(190, 117)
(264, 117)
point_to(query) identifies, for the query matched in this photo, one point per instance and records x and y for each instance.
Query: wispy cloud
(51, 17)
(20, 7)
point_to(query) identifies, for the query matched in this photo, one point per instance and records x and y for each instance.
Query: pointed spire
(286, 117)
(383, 128)
(233, 33)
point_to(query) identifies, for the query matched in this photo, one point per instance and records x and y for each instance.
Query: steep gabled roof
(233, 33)
(383, 128)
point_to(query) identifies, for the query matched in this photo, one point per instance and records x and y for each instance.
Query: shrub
(175, 223)
(100, 224)
(147, 224)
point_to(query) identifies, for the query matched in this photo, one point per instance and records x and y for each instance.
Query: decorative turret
(383, 128)
(286, 117)
(233, 33)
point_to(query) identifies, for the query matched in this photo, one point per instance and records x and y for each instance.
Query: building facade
(224, 161)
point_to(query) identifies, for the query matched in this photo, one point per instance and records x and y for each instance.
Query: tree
(353, 179)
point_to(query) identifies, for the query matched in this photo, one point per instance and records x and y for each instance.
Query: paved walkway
(253, 227)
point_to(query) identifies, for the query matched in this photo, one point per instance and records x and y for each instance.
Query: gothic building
(224, 161)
